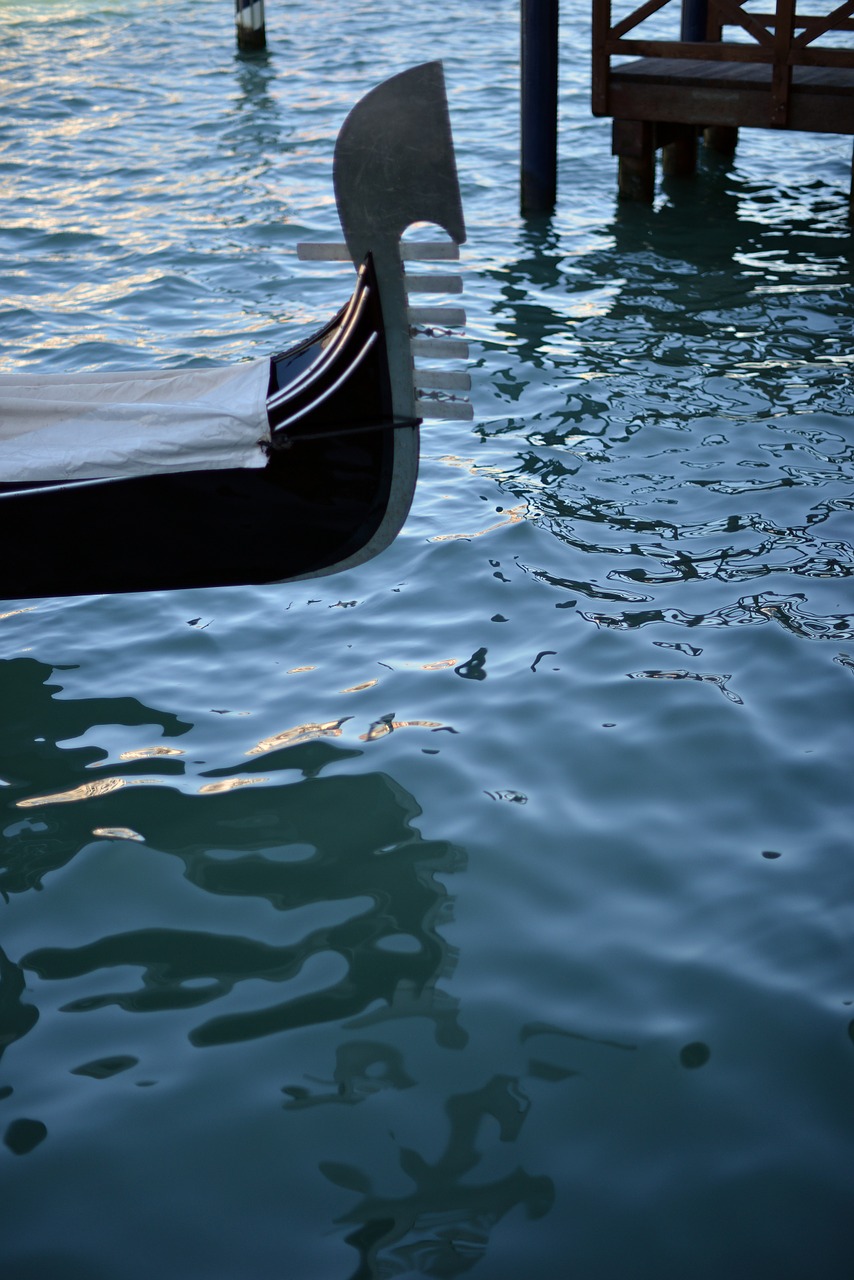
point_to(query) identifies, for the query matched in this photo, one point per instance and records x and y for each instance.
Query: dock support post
(539, 69)
(722, 138)
(249, 24)
(678, 150)
(633, 142)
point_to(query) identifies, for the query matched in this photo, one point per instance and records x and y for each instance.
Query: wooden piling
(721, 138)
(250, 26)
(678, 144)
(539, 77)
(633, 142)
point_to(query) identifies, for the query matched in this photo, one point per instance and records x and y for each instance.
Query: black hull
(301, 515)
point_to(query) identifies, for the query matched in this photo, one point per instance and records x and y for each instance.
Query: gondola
(267, 470)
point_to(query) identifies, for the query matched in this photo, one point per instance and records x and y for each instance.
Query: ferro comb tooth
(440, 348)
(459, 410)
(335, 251)
(445, 316)
(441, 380)
(423, 251)
(432, 284)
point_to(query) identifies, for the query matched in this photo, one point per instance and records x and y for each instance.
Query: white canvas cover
(92, 425)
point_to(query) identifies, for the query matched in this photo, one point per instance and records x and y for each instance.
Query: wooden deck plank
(730, 93)
(678, 71)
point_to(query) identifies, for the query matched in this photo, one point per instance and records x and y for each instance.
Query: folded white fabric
(94, 425)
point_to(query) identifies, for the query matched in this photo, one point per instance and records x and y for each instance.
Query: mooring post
(633, 142)
(539, 105)
(695, 19)
(249, 24)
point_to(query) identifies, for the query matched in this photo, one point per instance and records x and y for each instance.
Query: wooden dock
(773, 75)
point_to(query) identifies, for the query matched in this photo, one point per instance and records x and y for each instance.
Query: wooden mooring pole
(539, 105)
(249, 24)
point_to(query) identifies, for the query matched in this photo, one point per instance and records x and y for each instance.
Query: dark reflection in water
(362, 1068)
(16, 1017)
(315, 841)
(105, 1068)
(789, 612)
(32, 763)
(442, 1227)
(475, 667)
(362, 845)
(255, 128)
(309, 844)
(24, 1135)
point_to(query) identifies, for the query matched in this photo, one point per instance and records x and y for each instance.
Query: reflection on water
(685, 421)
(16, 1016)
(354, 841)
(789, 612)
(24, 1135)
(342, 847)
(32, 763)
(442, 1227)
(363, 848)
(256, 129)
(362, 1068)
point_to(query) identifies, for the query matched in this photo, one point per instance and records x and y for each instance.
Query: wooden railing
(782, 39)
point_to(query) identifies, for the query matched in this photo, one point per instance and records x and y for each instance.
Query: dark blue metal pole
(695, 15)
(539, 105)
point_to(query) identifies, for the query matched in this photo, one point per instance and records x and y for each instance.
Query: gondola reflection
(341, 849)
(345, 844)
(442, 1227)
(361, 897)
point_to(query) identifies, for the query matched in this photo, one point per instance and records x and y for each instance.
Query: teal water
(487, 909)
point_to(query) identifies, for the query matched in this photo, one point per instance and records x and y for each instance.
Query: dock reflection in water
(678, 428)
